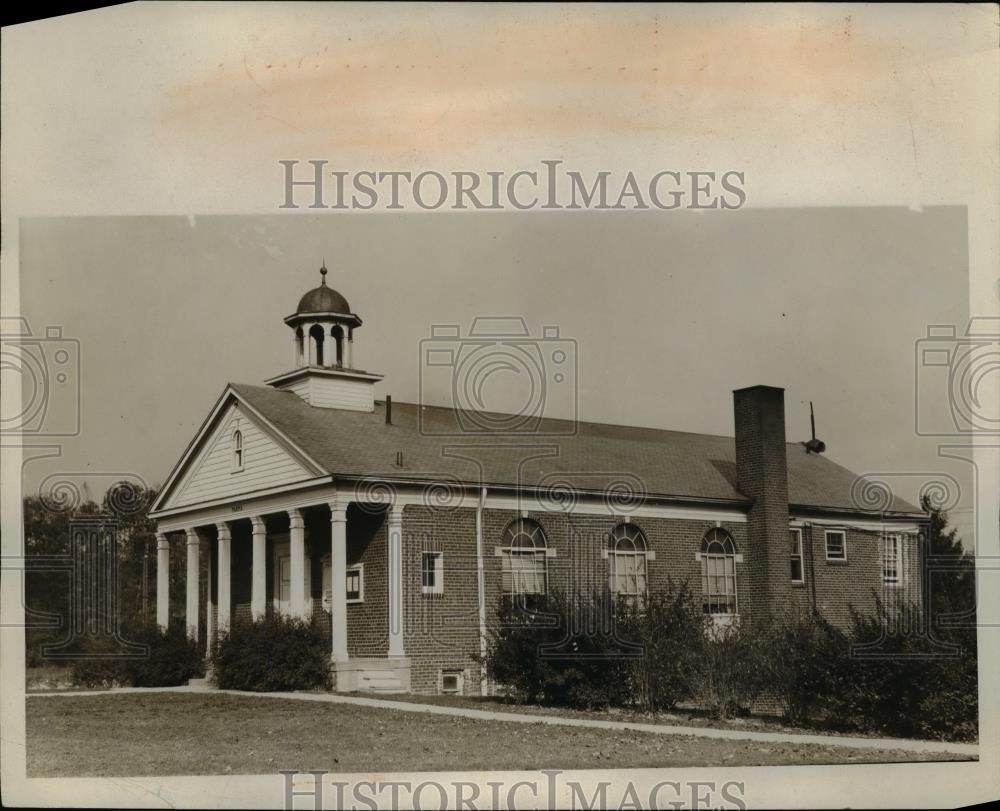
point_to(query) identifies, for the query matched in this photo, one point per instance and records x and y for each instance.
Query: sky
(142, 181)
(666, 312)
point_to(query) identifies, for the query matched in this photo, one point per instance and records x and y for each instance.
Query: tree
(951, 572)
(51, 589)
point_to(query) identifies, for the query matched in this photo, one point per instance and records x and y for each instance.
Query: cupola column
(348, 347)
(308, 345)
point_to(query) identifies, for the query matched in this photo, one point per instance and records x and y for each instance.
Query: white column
(225, 573)
(296, 354)
(396, 581)
(258, 594)
(349, 349)
(193, 559)
(307, 345)
(162, 581)
(297, 552)
(209, 603)
(330, 356)
(338, 579)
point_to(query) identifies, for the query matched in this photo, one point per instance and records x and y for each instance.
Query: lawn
(189, 733)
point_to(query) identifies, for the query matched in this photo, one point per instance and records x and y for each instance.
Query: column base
(374, 674)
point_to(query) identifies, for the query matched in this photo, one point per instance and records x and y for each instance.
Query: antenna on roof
(814, 445)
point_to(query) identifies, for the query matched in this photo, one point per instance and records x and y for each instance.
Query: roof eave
(848, 512)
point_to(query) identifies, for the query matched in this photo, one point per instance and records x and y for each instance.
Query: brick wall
(762, 475)
(836, 586)
(442, 630)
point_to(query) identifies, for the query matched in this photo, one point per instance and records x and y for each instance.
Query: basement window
(451, 681)
(836, 545)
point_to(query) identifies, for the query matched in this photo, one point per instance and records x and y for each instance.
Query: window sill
(431, 594)
(798, 584)
(837, 561)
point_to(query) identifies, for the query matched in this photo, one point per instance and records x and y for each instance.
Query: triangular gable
(210, 470)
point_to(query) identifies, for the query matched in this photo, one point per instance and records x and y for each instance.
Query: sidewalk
(901, 744)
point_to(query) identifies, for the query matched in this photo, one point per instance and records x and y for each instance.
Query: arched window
(627, 553)
(316, 333)
(718, 572)
(237, 449)
(523, 557)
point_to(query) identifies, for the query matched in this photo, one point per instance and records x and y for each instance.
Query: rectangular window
(836, 544)
(627, 578)
(795, 537)
(892, 560)
(356, 583)
(432, 573)
(718, 583)
(523, 570)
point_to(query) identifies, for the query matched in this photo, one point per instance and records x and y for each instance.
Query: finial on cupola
(322, 273)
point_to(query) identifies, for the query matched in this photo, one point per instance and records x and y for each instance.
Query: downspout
(482, 590)
(812, 569)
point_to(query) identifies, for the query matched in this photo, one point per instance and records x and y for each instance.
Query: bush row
(595, 653)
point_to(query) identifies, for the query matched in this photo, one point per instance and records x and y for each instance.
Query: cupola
(324, 374)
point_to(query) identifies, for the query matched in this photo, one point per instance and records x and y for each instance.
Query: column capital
(257, 523)
(338, 509)
(192, 536)
(223, 529)
(161, 541)
(395, 513)
(295, 519)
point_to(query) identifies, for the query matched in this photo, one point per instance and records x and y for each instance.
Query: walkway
(901, 744)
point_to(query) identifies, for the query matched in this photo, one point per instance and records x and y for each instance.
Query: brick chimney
(762, 475)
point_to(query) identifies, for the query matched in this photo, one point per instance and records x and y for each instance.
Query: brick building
(399, 531)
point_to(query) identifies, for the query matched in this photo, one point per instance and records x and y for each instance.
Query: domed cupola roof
(323, 299)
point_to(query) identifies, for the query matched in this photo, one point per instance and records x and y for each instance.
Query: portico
(248, 543)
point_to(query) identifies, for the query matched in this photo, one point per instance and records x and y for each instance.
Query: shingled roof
(670, 464)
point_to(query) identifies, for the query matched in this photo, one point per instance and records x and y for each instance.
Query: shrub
(273, 654)
(171, 660)
(559, 650)
(899, 681)
(803, 664)
(729, 667)
(671, 630)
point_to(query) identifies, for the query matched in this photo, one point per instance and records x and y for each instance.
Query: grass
(137, 734)
(687, 717)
